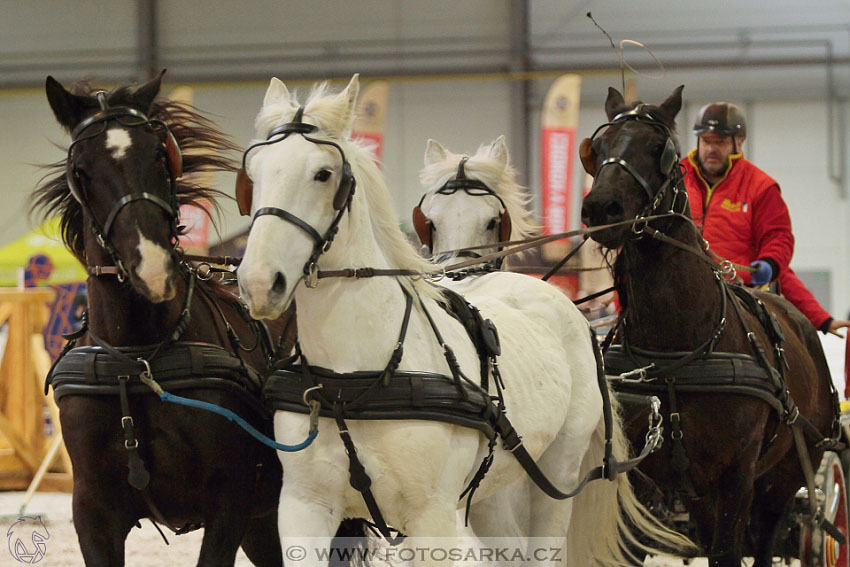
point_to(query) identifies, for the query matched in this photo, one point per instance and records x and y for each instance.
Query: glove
(763, 273)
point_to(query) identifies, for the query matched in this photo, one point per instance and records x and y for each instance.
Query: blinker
(244, 192)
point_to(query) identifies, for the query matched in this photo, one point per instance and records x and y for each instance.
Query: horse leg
(500, 521)
(550, 518)
(102, 523)
(723, 523)
(225, 521)
(774, 493)
(262, 542)
(307, 524)
(434, 527)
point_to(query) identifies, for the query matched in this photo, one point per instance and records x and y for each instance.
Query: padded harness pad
(720, 372)
(91, 370)
(409, 395)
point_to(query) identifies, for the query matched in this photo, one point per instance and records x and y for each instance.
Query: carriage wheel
(817, 547)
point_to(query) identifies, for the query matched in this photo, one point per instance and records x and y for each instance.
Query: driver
(740, 211)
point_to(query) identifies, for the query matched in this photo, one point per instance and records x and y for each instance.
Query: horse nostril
(279, 285)
(614, 211)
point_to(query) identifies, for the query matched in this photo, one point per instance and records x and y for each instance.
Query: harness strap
(679, 460)
(610, 467)
(565, 259)
(359, 478)
(138, 477)
(365, 273)
(703, 350)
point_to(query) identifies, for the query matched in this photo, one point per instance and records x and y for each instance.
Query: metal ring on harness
(204, 271)
(307, 391)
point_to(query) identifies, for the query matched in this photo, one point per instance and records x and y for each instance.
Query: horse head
(304, 185)
(470, 201)
(634, 162)
(121, 172)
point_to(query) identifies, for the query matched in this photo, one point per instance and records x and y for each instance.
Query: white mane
(500, 179)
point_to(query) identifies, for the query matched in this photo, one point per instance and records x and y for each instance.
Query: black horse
(748, 398)
(154, 315)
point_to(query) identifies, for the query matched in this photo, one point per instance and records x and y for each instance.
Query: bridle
(669, 163)
(128, 117)
(425, 228)
(341, 201)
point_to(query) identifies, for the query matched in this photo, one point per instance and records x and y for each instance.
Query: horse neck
(122, 317)
(349, 324)
(673, 299)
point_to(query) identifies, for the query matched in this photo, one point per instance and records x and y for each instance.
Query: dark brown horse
(135, 456)
(731, 455)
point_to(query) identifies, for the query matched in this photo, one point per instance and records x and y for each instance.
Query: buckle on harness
(791, 416)
(311, 275)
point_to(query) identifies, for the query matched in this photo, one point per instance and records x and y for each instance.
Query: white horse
(454, 214)
(468, 202)
(418, 468)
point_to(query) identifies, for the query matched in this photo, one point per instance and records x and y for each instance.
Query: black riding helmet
(723, 118)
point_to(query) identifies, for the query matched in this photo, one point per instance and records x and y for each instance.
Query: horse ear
(67, 108)
(434, 152)
(613, 103)
(588, 156)
(671, 107)
(143, 96)
(499, 151)
(349, 97)
(277, 91)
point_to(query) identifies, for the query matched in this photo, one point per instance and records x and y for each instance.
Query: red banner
(197, 223)
(558, 149)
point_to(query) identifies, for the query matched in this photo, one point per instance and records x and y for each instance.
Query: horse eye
(322, 175)
(492, 224)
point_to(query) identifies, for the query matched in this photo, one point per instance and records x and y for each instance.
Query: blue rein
(148, 380)
(259, 436)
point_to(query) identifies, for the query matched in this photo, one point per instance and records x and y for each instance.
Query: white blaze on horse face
(153, 269)
(118, 142)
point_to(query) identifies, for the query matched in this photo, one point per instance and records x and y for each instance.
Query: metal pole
(148, 39)
(520, 90)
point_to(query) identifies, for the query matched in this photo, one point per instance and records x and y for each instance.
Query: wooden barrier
(25, 442)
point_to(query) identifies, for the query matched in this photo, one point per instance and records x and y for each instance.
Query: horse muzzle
(266, 297)
(598, 210)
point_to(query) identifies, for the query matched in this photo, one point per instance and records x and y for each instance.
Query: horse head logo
(26, 539)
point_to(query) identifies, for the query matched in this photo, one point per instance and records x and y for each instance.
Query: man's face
(714, 151)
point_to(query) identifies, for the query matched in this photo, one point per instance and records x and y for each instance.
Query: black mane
(204, 147)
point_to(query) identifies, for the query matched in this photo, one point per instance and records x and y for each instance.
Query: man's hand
(763, 272)
(836, 324)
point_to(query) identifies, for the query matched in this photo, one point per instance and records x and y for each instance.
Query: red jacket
(743, 216)
(748, 221)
